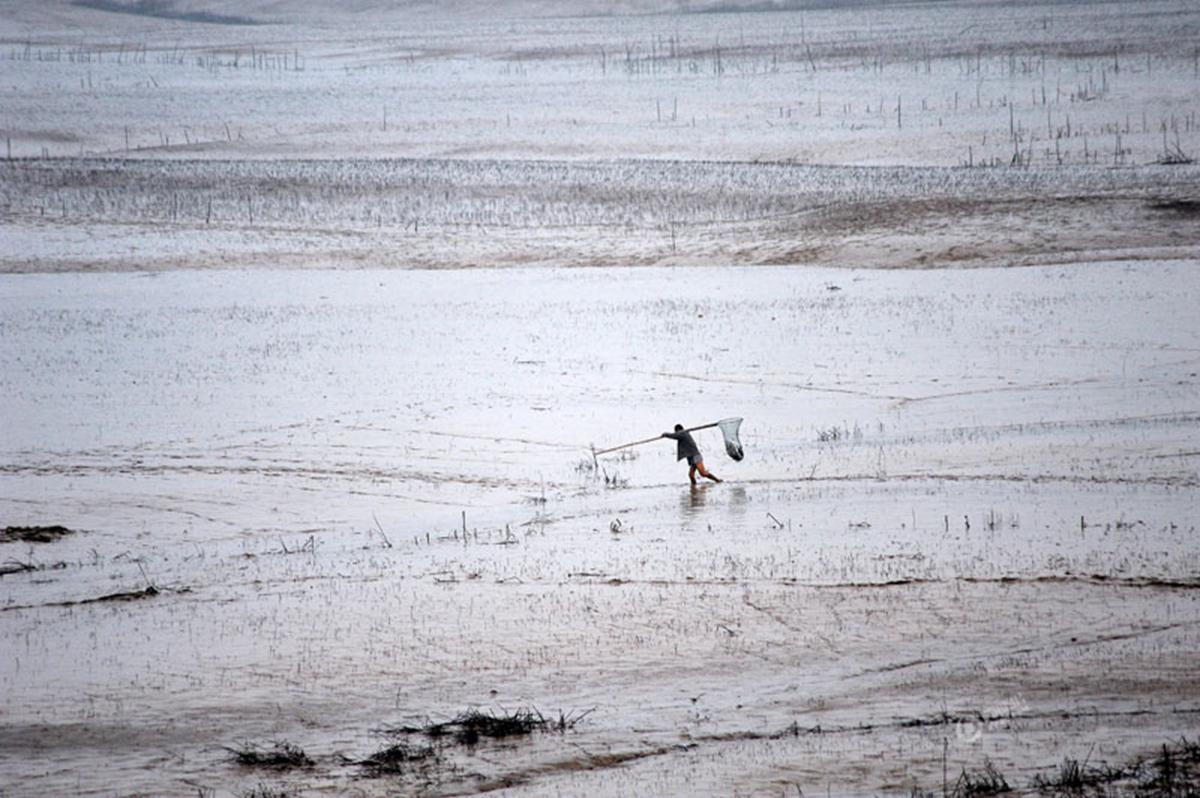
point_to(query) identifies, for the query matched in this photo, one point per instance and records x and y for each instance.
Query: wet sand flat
(964, 525)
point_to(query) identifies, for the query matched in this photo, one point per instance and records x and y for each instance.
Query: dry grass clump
(33, 534)
(468, 727)
(396, 758)
(1173, 155)
(261, 790)
(1174, 772)
(281, 755)
(985, 781)
(1076, 777)
(471, 726)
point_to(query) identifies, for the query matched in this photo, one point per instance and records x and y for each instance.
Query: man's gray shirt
(686, 446)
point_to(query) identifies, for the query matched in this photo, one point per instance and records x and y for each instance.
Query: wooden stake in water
(945, 749)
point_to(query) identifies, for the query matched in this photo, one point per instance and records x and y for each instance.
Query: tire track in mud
(769, 384)
(345, 471)
(177, 511)
(1045, 386)
(1180, 418)
(769, 612)
(140, 505)
(900, 401)
(941, 719)
(122, 596)
(586, 762)
(1098, 640)
(495, 439)
(1164, 583)
(1181, 481)
(1177, 481)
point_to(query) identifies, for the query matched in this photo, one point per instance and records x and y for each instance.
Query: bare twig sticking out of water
(945, 750)
(202, 791)
(16, 567)
(149, 582)
(387, 543)
(568, 720)
(309, 546)
(615, 481)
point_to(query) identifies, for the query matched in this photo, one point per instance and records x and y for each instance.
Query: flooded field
(314, 315)
(964, 527)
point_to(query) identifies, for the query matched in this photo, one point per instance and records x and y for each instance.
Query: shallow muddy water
(964, 526)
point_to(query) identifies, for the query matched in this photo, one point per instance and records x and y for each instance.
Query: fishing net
(733, 446)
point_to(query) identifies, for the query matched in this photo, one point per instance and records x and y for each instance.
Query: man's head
(679, 428)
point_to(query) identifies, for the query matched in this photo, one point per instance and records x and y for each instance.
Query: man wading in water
(687, 448)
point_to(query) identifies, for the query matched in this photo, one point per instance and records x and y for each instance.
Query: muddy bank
(430, 214)
(33, 534)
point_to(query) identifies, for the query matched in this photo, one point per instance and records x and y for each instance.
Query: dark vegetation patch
(33, 534)
(1173, 772)
(1073, 776)
(1182, 207)
(17, 567)
(280, 755)
(984, 781)
(471, 726)
(1173, 155)
(396, 759)
(125, 595)
(165, 9)
(261, 790)
(424, 759)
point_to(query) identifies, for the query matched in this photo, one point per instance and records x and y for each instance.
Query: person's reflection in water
(695, 499)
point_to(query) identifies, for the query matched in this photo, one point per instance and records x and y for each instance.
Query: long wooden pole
(627, 445)
(649, 440)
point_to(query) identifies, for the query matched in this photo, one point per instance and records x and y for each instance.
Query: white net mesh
(733, 446)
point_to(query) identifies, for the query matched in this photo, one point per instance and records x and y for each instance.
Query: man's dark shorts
(695, 460)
